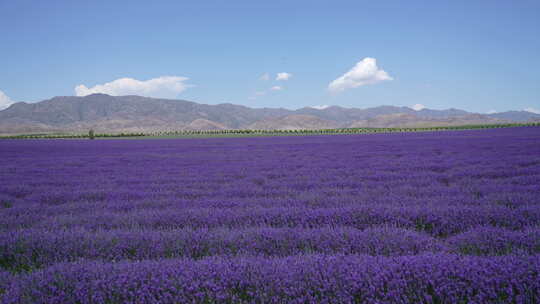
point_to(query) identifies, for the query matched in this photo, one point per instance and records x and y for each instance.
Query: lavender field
(428, 217)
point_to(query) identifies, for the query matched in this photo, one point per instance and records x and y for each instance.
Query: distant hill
(293, 122)
(517, 116)
(105, 113)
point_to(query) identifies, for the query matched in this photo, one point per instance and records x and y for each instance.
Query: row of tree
(205, 133)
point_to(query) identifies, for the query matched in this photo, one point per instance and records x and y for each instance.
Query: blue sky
(473, 55)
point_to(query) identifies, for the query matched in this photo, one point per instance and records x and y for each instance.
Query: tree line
(247, 132)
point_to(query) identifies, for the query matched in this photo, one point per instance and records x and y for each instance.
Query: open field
(433, 217)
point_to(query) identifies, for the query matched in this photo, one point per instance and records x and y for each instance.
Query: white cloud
(265, 77)
(276, 88)
(532, 110)
(491, 112)
(363, 73)
(162, 87)
(5, 101)
(321, 107)
(418, 107)
(283, 76)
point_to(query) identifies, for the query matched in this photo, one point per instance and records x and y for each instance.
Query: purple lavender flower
(432, 217)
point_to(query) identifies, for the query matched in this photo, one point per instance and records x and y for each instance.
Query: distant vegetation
(235, 133)
(91, 134)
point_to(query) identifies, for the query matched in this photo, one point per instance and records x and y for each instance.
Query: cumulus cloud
(321, 107)
(363, 73)
(5, 101)
(418, 107)
(276, 88)
(532, 110)
(162, 87)
(265, 77)
(283, 76)
(491, 112)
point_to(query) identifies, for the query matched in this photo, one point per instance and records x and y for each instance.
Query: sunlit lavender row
(425, 278)
(437, 221)
(383, 218)
(31, 249)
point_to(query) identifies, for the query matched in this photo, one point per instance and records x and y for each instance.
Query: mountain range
(110, 114)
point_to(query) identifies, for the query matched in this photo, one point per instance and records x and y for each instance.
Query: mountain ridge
(132, 113)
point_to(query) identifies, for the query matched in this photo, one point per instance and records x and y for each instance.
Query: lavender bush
(26, 250)
(295, 279)
(432, 217)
